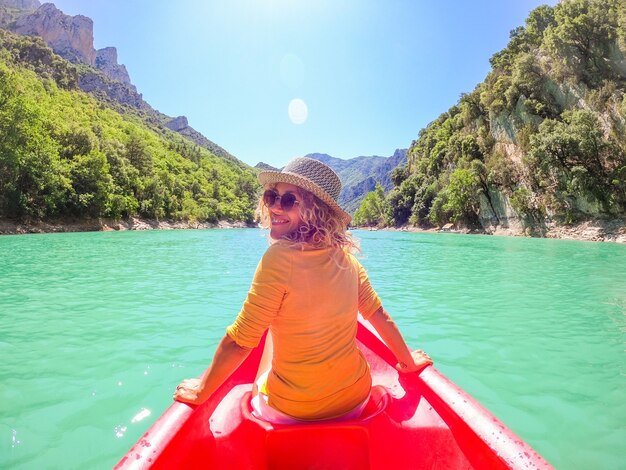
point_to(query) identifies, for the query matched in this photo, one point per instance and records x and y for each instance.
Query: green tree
(372, 208)
(32, 178)
(462, 195)
(585, 34)
(545, 127)
(91, 184)
(63, 152)
(573, 156)
(138, 155)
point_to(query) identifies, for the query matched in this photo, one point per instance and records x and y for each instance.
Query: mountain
(359, 175)
(69, 158)
(539, 144)
(265, 167)
(71, 37)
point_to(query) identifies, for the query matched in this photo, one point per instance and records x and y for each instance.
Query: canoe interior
(411, 422)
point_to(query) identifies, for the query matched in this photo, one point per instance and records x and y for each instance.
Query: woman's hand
(419, 361)
(228, 356)
(408, 361)
(190, 391)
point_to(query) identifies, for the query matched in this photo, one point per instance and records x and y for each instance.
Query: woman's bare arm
(408, 361)
(228, 356)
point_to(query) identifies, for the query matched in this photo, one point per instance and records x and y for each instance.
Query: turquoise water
(97, 329)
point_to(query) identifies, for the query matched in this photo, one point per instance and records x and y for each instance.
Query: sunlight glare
(144, 413)
(298, 111)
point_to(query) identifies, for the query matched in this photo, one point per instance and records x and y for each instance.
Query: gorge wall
(71, 37)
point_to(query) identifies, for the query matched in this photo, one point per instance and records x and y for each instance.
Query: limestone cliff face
(178, 124)
(12, 9)
(69, 36)
(21, 4)
(106, 60)
(97, 83)
(497, 214)
(496, 211)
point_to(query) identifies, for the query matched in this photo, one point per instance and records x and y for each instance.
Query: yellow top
(309, 300)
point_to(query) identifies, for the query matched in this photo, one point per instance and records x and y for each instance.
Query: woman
(307, 289)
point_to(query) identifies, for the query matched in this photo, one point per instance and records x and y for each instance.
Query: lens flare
(298, 111)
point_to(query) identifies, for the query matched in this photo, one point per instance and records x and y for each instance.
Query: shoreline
(10, 227)
(613, 231)
(607, 231)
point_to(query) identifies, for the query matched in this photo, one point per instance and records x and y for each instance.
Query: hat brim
(274, 177)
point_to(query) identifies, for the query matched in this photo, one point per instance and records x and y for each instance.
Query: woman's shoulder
(276, 263)
(352, 257)
(278, 252)
(285, 248)
(278, 246)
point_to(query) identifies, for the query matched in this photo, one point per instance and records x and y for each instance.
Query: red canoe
(412, 421)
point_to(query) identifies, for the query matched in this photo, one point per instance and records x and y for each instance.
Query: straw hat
(315, 177)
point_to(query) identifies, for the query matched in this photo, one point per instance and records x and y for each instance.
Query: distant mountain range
(358, 175)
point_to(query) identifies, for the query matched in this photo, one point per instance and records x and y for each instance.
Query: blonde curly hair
(321, 227)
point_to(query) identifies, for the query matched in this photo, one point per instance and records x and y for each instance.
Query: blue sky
(269, 80)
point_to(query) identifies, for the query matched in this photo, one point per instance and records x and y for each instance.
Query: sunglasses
(287, 200)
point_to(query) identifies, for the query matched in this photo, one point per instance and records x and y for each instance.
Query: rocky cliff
(106, 60)
(71, 37)
(540, 143)
(102, 86)
(21, 4)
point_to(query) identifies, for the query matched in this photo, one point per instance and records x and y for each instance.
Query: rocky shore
(9, 227)
(590, 230)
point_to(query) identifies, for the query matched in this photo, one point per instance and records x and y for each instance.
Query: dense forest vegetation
(545, 132)
(63, 153)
